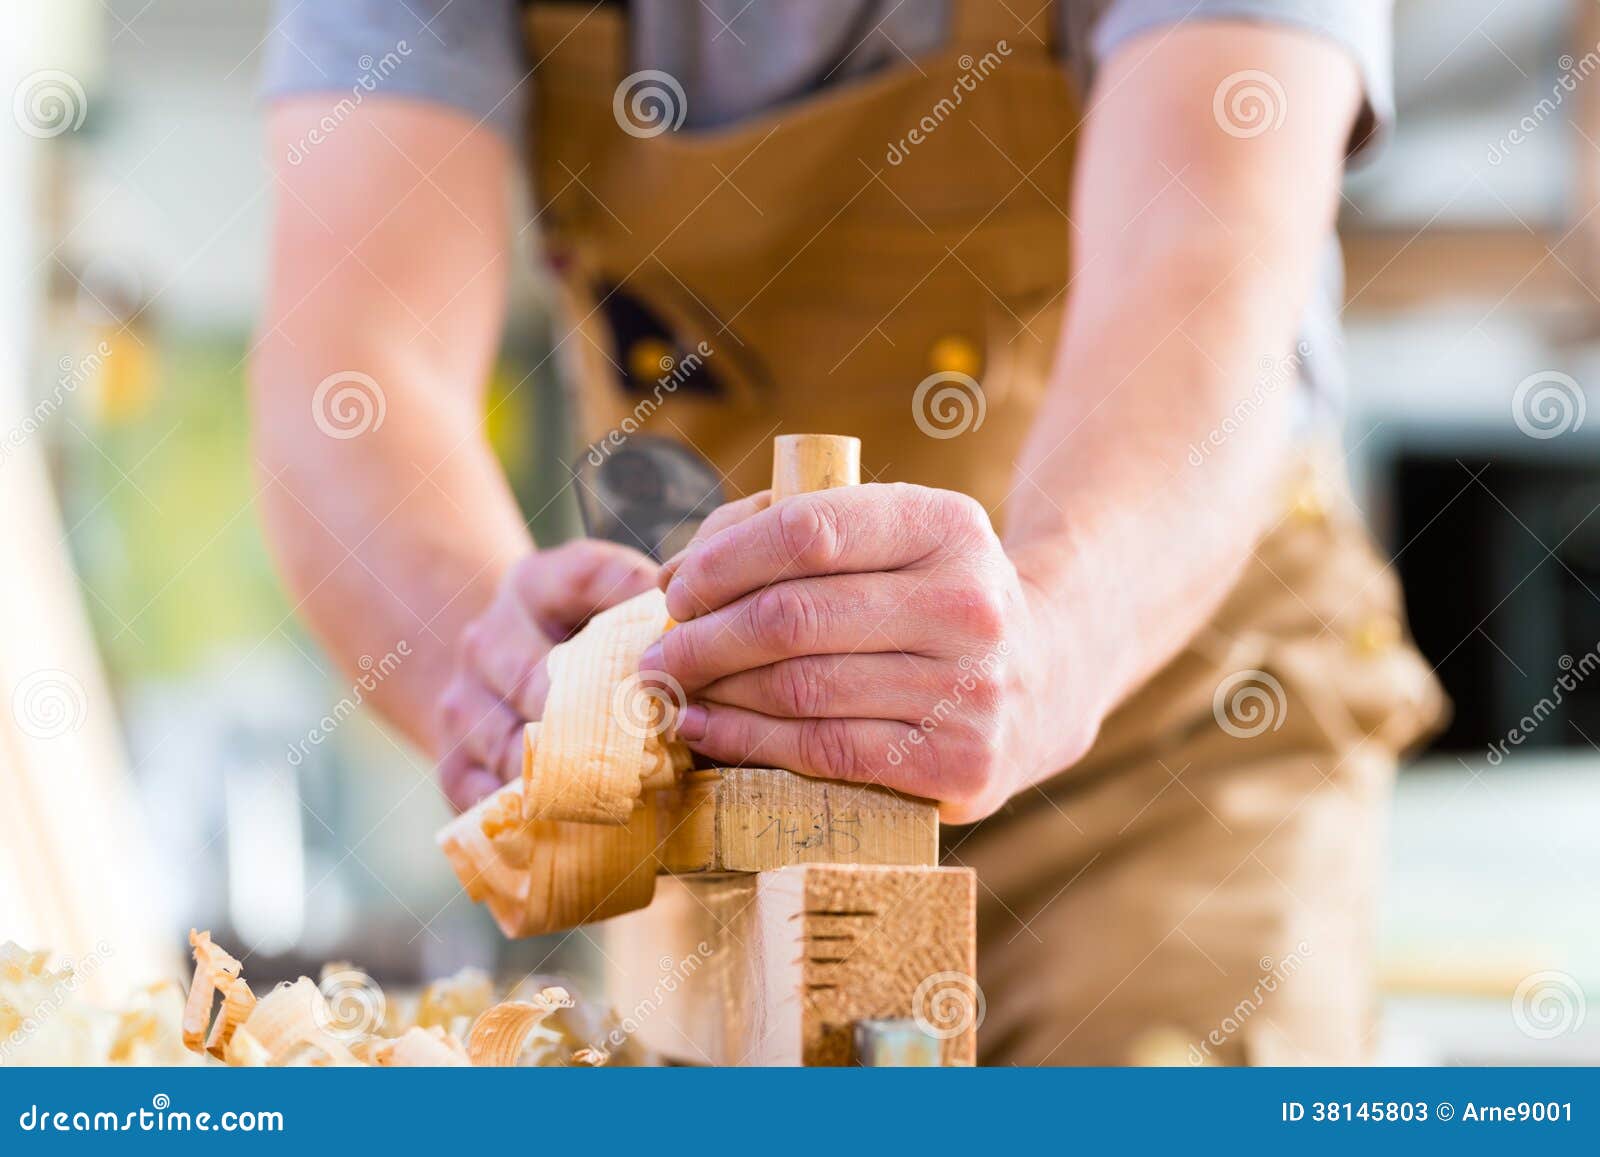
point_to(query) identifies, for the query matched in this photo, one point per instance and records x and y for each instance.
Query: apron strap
(574, 44)
(979, 23)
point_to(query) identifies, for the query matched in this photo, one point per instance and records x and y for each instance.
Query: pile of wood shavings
(344, 1020)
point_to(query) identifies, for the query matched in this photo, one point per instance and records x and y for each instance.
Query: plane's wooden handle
(802, 463)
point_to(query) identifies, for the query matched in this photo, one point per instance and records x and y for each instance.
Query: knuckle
(826, 746)
(967, 766)
(785, 619)
(796, 688)
(453, 710)
(474, 644)
(808, 533)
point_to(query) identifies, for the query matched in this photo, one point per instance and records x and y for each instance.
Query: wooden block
(776, 968)
(752, 819)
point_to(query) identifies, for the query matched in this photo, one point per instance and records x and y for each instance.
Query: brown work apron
(1190, 891)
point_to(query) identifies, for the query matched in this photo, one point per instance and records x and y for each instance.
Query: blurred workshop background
(178, 752)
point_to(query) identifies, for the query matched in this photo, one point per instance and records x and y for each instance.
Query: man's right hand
(499, 682)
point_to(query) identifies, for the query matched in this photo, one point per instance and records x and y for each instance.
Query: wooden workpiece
(752, 819)
(793, 908)
(776, 968)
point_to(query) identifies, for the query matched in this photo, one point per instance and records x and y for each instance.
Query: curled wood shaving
(291, 1021)
(590, 759)
(502, 1032)
(238, 1002)
(591, 1056)
(214, 969)
(421, 1048)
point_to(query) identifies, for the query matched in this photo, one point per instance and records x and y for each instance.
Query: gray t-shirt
(736, 58)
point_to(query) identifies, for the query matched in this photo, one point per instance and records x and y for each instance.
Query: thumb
(579, 578)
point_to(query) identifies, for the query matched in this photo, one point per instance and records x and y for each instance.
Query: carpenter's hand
(874, 633)
(499, 682)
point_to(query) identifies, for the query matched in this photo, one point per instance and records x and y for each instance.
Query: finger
(724, 516)
(463, 781)
(476, 721)
(506, 649)
(857, 750)
(835, 615)
(565, 585)
(869, 686)
(854, 529)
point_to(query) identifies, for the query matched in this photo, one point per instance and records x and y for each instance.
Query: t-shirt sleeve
(1363, 28)
(466, 54)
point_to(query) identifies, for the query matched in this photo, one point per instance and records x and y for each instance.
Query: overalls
(1201, 888)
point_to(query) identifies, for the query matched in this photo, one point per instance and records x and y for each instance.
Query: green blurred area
(158, 496)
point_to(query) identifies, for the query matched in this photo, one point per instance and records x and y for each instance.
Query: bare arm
(1196, 251)
(389, 261)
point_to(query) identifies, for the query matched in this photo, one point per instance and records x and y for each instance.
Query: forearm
(1195, 254)
(1125, 545)
(384, 506)
(392, 539)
